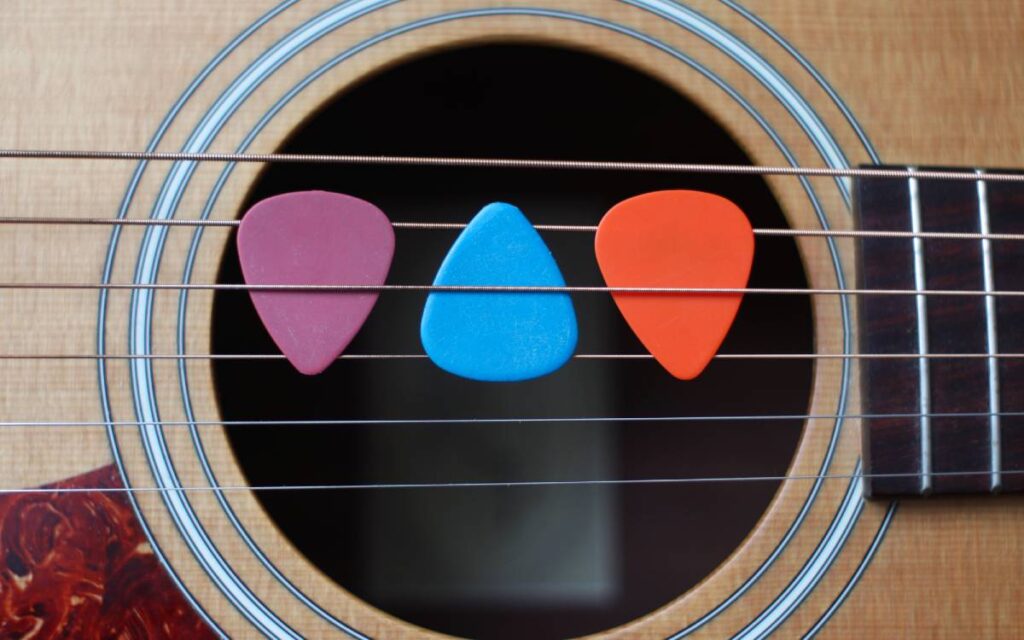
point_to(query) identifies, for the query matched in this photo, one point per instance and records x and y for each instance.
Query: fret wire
(769, 417)
(428, 288)
(503, 163)
(578, 356)
(455, 226)
(921, 306)
(487, 484)
(991, 339)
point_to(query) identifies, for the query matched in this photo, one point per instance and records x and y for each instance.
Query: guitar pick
(314, 237)
(677, 239)
(493, 336)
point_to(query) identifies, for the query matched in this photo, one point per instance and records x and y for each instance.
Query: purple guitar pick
(314, 237)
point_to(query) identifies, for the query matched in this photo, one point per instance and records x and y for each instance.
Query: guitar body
(799, 82)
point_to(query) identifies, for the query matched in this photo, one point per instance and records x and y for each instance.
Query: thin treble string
(511, 163)
(457, 288)
(482, 421)
(500, 484)
(578, 356)
(571, 228)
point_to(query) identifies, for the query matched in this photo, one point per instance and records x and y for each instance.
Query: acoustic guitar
(844, 466)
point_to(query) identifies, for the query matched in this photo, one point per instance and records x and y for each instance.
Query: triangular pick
(677, 239)
(307, 238)
(497, 336)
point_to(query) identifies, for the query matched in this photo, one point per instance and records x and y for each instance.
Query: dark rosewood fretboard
(944, 425)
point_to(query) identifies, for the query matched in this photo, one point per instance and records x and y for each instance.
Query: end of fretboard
(950, 421)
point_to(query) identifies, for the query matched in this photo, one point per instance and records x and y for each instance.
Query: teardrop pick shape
(308, 238)
(497, 336)
(677, 239)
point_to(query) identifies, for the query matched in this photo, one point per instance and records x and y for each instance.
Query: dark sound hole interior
(517, 562)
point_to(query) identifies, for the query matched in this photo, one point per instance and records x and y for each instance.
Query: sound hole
(516, 562)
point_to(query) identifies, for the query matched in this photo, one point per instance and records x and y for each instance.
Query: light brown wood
(930, 83)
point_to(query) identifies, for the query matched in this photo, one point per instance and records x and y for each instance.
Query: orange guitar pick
(677, 239)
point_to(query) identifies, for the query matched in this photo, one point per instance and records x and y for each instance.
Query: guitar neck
(942, 425)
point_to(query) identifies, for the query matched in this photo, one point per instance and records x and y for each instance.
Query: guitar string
(494, 162)
(458, 288)
(578, 356)
(511, 163)
(552, 227)
(454, 226)
(515, 420)
(501, 484)
(534, 164)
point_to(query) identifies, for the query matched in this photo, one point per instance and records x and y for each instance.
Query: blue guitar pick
(494, 336)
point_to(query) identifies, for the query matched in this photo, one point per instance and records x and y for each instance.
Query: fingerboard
(941, 425)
